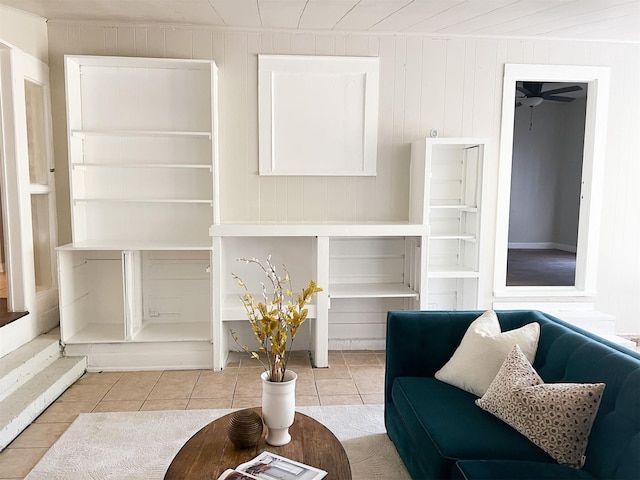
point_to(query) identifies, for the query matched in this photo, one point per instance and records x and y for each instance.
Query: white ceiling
(617, 20)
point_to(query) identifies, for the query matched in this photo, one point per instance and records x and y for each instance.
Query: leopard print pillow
(557, 417)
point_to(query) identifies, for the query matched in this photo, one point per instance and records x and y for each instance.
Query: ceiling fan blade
(534, 87)
(572, 88)
(524, 90)
(558, 99)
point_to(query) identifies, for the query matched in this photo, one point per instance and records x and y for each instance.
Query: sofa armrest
(419, 343)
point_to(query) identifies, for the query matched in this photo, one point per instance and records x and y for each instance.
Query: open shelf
(99, 333)
(171, 332)
(372, 290)
(139, 133)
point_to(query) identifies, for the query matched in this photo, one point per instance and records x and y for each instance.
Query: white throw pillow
(482, 351)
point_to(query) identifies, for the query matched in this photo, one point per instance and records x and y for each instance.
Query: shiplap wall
(453, 85)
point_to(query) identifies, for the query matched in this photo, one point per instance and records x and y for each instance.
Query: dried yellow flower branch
(275, 321)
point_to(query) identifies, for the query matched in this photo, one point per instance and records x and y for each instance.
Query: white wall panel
(25, 31)
(451, 84)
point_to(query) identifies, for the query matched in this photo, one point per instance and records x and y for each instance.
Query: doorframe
(595, 133)
(16, 189)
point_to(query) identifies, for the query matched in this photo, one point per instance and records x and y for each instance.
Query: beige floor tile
(39, 435)
(305, 372)
(18, 462)
(209, 403)
(248, 387)
(369, 386)
(335, 371)
(85, 393)
(306, 387)
(307, 401)
(101, 378)
(213, 390)
(225, 376)
(65, 412)
(140, 378)
(340, 400)
(118, 406)
(366, 371)
(234, 359)
(246, 402)
(176, 404)
(338, 386)
(250, 372)
(368, 379)
(299, 361)
(180, 376)
(171, 389)
(373, 399)
(335, 358)
(128, 391)
(360, 358)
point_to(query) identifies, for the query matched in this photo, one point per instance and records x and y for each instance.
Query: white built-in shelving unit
(357, 265)
(147, 281)
(448, 199)
(142, 157)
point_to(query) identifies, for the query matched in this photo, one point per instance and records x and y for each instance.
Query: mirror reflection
(546, 181)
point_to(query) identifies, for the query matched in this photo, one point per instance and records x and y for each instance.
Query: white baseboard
(543, 246)
(144, 356)
(357, 344)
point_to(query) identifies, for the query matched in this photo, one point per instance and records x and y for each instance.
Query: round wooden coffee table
(210, 452)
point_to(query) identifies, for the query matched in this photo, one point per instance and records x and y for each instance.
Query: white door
(27, 187)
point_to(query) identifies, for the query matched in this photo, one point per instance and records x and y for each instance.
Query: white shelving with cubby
(380, 264)
(446, 194)
(142, 147)
(142, 140)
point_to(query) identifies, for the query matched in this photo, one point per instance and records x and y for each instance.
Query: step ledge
(19, 366)
(23, 406)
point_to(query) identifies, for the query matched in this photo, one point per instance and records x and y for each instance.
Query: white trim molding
(595, 133)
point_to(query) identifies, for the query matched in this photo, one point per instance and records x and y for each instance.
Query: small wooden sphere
(245, 428)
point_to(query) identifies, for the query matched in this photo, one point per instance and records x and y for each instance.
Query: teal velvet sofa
(440, 433)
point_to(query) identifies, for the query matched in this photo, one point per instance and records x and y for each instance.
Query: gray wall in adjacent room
(546, 175)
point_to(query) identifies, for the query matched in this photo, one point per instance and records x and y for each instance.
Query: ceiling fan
(534, 96)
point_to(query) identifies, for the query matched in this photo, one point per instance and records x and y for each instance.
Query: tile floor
(353, 378)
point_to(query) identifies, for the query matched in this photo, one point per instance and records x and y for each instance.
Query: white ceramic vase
(278, 407)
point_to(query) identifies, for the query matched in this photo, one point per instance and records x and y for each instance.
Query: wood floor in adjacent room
(540, 267)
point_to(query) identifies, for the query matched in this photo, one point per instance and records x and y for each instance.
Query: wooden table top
(210, 452)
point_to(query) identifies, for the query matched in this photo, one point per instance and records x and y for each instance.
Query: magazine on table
(269, 466)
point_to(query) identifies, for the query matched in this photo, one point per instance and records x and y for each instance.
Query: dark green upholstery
(434, 425)
(510, 470)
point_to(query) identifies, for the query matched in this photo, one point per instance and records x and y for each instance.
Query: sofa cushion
(482, 351)
(446, 425)
(556, 417)
(508, 470)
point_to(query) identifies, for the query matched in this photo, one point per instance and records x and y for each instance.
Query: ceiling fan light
(531, 101)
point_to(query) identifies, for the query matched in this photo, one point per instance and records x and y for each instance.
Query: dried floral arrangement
(276, 319)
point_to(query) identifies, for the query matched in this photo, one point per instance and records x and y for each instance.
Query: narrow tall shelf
(446, 195)
(135, 283)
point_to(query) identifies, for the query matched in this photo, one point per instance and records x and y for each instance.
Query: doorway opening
(583, 193)
(546, 183)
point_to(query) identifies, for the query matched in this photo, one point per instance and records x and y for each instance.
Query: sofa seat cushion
(522, 470)
(447, 425)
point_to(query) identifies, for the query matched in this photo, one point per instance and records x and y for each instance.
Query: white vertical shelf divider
(320, 334)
